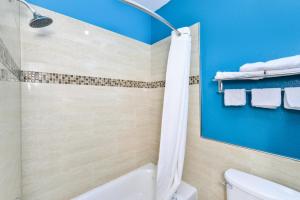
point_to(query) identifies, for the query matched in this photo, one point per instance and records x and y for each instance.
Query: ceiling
(152, 4)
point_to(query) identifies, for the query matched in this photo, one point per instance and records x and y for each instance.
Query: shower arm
(28, 6)
(153, 14)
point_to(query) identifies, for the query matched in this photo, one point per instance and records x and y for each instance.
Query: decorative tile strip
(43, 77)
(194, 80)
(7, 60)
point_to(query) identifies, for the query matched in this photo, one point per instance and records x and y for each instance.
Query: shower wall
(206, 160)
(70, 46)
(10, 146)
(87, 113)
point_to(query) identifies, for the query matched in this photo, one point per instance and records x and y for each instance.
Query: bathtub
(136, 185)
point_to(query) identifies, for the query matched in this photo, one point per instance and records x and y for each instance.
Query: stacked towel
(292, 98)
(266, 98)
(235, 97)
(278, 64)
(258, 70)
(283, 72)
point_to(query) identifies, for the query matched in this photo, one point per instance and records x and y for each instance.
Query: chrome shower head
(40, 21)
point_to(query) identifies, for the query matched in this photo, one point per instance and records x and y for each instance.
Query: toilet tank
(243, 186)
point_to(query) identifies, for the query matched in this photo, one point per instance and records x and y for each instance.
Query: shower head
(38, 21)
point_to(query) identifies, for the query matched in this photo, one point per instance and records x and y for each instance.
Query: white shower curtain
(175, 116)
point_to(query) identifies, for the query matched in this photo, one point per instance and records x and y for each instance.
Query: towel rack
(265, 76)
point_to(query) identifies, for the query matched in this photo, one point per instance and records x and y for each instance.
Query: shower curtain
(175, 116)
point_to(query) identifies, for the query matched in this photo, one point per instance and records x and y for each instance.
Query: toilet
(243, 186)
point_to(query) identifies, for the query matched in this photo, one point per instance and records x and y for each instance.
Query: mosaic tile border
(7, 60)
(55, 78)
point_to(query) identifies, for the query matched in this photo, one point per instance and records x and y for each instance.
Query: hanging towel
(235, 97)
(266, 98)
(282, 63)
(174, 119)
(292, 98)
(239, 75)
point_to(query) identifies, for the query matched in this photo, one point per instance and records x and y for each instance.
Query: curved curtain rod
(151, 13)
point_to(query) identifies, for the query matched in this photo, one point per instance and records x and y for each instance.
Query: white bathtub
(136, 185)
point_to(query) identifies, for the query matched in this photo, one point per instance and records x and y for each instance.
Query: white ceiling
(152, 4)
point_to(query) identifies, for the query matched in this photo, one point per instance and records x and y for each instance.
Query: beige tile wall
(10, 145)
(76, 138)
(70, 46)
(10, 28)
(10, 115)
(207, 160)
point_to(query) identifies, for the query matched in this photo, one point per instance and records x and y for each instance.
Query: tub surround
(110, 137)
(10, 116)
(78, 133)
(110, 94)
(10, 143)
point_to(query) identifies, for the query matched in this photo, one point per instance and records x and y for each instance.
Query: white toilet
(243, 186)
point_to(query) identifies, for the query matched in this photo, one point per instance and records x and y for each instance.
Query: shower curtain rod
(151, 13)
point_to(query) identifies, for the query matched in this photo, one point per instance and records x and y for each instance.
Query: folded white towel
(282, 63)
(239, 75)
(235, 97)
(292, 98)
(283, 72)
(266, 98)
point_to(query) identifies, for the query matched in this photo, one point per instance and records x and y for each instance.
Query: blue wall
(235, 32)
(109, 14)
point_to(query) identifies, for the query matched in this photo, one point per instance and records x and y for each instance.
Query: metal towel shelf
(265, 76)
